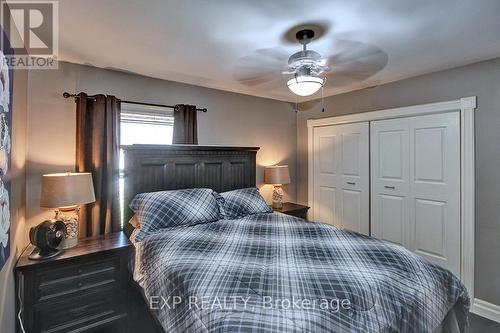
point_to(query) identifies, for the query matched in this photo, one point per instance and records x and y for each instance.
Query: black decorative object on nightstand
(83, 289)
(293, 209)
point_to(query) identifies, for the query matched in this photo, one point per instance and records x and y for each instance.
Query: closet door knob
(391, 187)
(351, 183)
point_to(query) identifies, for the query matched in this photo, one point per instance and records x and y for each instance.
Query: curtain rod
(68, 95)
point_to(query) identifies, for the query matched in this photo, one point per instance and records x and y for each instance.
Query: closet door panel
(326, 208)
(391, 159)
(326, 175)
(390, 149)
(435, 188)
(354, 161)
(391, 211)
(429, 154)
(430, 231)
(341, 176)
(327, 154)
(352, 210)
(390, 180)
(350, 154)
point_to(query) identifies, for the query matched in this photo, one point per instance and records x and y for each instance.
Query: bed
(272, 272)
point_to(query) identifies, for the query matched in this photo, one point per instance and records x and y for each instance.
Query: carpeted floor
(482, 325)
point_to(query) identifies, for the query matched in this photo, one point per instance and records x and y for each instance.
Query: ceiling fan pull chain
(322, 98)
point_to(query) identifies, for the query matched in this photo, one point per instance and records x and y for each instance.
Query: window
(143, 124)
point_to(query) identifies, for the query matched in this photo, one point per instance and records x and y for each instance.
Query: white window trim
(466, 106)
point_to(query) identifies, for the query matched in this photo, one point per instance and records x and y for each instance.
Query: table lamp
(277, 175)
(65, 191)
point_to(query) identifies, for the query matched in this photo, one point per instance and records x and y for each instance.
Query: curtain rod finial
(66, 95)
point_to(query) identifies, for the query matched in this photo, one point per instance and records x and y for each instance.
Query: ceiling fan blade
(353, 62)
(353, 49)
(254, 80)
(345, 77)
(342, 80)
(276, 53)
(260, 67)
(265, 83)
(354, 69)
(253, 75)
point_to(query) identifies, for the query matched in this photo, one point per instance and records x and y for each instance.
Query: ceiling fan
(306, 67)
(350, 62)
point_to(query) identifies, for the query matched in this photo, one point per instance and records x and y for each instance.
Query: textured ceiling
(205, 42)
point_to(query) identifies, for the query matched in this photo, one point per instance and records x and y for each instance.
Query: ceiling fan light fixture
(305, 85)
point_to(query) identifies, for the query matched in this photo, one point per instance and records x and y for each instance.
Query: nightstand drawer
(104, 312)
(84, 276)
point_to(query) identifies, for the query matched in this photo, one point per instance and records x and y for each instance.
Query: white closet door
(390, 180)
(415, 167)
(341, 176)
(435, 188)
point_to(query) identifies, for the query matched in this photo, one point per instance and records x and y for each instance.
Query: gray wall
(481, 80)
(18, 229)
(232, 119)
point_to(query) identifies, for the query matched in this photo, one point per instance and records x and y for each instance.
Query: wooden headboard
(150, 168)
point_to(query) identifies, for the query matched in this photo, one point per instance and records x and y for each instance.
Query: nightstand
(83, 289)
(293, 209)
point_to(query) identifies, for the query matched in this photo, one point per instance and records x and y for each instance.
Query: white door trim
(406, 111)
(466, 106)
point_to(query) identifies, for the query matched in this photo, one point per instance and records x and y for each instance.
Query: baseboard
(486, 309)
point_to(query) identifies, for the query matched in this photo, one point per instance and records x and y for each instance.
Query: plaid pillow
(242, 202)
(166, 209)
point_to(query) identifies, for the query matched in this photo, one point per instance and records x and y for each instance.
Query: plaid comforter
(278, 273)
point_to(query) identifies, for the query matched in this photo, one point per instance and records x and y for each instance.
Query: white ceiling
(202, 42)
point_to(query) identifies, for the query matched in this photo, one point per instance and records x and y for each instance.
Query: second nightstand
(293, 209)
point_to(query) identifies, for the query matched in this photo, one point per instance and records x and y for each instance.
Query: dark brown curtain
(97, 151)
(185, 125)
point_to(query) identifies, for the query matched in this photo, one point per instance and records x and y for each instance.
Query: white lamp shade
(66, 189)
(277, 174)
(305, 85)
